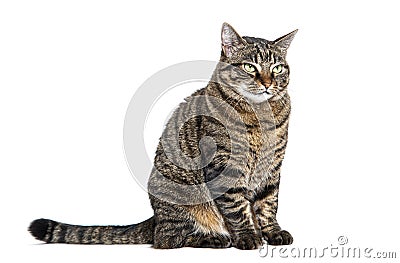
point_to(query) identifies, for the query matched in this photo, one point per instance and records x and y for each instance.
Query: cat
(215, 179)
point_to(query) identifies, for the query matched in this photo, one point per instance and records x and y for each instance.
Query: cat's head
(263, 72)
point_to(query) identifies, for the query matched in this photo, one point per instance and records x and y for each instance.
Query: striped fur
(51, 231)
(218, 192)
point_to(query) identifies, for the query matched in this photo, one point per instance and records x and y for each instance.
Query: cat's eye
(277, 69)
(249, 68)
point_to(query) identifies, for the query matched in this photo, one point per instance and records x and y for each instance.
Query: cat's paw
(277, 238)
(215, 242)
(248, 241)
(209, 241)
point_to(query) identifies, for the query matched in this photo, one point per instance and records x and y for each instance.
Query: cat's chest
(259, 156)
(264, 141)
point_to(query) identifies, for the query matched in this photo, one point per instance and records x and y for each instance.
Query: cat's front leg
(239, 219)
(265, 209)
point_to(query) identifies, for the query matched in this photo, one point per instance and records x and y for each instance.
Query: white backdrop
(68, 70)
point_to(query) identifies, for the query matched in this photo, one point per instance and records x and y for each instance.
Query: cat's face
(260, 65)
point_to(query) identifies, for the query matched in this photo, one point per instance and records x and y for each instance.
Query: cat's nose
(266, 81)
(267, 84)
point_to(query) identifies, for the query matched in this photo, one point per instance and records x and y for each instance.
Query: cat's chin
(255, 97)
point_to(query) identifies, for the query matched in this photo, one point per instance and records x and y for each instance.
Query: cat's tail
(51, 231)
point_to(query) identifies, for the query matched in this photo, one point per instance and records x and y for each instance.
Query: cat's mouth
(261, 94)
(270, 91)
(273, 93)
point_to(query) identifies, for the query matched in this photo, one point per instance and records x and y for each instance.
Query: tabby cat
(216, 173)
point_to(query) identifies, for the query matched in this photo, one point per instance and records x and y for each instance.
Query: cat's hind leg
(194, 226)
(171, 233)
(174, 233)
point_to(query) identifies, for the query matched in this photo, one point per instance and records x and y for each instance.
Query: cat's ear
(231, 41)
(283, 43)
